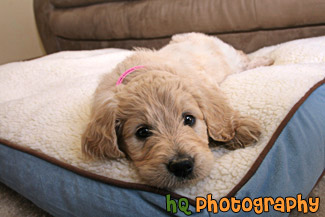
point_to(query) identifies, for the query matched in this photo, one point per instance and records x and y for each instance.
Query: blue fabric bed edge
(64, 193)
(298, 157)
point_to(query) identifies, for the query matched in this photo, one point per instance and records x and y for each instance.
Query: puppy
(161, 108)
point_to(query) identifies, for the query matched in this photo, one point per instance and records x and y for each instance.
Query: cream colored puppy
(161, 108)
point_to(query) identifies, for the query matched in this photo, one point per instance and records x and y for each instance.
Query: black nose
(182, 167)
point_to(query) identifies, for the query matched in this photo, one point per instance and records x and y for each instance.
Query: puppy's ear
(223, 123)
(99, 139)
(218, 115)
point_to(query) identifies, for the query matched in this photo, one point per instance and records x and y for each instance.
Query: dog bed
(45, 105)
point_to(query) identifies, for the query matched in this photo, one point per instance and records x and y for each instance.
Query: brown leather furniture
(246, 24)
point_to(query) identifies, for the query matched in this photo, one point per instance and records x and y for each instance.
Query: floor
(14, 205)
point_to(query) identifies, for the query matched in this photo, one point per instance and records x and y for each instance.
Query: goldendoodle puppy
(161, 108)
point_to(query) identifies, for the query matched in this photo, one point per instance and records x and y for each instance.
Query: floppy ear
(218, 115)
(223, 123)
(99, 139)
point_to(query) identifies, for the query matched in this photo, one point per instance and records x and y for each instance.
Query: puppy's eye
(189, 120)
(143, 132)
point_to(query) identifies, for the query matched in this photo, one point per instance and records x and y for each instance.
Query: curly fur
(182, 77)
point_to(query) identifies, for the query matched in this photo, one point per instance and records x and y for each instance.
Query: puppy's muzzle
(181, 167)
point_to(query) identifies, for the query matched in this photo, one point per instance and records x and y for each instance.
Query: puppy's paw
(247, 131)
(260, 61)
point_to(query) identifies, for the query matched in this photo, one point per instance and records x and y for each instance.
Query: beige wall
(19, 38)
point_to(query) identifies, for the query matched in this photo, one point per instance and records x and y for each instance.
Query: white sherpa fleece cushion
(45, 106)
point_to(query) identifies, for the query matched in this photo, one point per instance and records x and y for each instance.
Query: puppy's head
(161, 123)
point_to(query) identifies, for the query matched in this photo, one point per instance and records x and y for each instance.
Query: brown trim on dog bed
(163, 192)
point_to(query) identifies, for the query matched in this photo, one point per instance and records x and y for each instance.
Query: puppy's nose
(182, 167)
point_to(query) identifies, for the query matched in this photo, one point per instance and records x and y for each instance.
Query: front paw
(247, 131)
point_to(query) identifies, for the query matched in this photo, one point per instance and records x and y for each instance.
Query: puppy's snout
(181, 167)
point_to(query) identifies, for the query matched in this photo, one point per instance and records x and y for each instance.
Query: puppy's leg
(247, 63)
(237, 60)
(259, 61)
